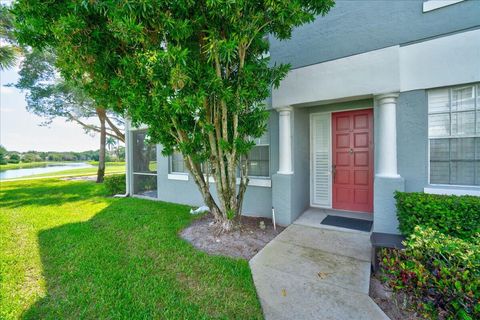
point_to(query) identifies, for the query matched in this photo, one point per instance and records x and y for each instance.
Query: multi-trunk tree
(195, 72)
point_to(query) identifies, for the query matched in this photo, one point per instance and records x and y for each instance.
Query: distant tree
(111, 143)
(30, 157)
(43, 155)
(13, 158)
(3, 154)
(50, 96)
(8, 50)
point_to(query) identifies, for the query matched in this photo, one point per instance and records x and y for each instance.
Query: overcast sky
(21, 130)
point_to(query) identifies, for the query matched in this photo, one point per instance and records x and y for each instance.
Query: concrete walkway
(311, 272)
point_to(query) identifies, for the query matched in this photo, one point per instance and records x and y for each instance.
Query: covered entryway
(342, 160)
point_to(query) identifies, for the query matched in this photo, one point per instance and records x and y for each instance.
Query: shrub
(440, 273)
(115, 184)
(457, 216)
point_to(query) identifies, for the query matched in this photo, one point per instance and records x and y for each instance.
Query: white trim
(142, 127)
(252, 182)
(128, 161)
(144, 174)
(312, 174)
(178, 176)
(430, 5)
(453, 191)
(145, 197)
(258, 182)
(285, 164)
(419, 65)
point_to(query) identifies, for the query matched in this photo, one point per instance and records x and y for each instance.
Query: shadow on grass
(46, 192)
(127, 262)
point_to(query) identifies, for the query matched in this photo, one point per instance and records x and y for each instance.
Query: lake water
(49, 168)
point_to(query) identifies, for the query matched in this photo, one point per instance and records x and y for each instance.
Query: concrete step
(350, 244)
(286, 295)
(315, 265)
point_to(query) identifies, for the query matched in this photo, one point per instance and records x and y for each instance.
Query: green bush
(115, 184)
(440, 273)
(457, 216)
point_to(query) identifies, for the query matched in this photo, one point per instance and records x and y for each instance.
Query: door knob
(351, 151)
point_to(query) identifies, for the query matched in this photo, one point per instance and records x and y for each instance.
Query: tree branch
(91, 127)
(117, 131)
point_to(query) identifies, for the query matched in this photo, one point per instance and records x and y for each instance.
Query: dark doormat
(349, 223)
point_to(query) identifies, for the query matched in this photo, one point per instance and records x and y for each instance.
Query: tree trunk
(103, 139)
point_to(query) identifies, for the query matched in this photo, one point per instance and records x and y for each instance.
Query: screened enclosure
(144, 165)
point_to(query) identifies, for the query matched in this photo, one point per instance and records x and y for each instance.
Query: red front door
(352, 134)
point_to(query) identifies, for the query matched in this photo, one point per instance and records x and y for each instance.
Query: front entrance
(352, 160)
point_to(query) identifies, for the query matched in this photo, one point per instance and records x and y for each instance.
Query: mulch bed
(243, 242)
(395, 305)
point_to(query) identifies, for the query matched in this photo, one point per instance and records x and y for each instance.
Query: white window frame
(174, 175)
(260, 180)
(453, 189)
(430, 5)
(254, 181)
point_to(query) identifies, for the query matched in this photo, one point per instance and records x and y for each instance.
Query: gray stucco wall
(412, 139)
(257, 202)
(357, 26)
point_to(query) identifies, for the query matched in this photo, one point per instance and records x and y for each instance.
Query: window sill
(253, 182)
(453, 190)
(437, 4)
(178, 176)
(144, 173)
(258, 182)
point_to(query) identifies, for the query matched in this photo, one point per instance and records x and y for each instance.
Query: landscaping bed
(243, 242)
(394, 304)
(437, 275)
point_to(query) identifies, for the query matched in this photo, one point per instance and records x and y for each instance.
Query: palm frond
(8, 57)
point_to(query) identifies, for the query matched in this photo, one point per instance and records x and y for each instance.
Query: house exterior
(382, 96)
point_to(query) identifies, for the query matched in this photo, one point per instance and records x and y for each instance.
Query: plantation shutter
(321, 191)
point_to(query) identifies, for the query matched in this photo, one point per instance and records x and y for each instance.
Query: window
(258, 164)
(177, 163)
(259, 157)
(144, 164)
(454, 135)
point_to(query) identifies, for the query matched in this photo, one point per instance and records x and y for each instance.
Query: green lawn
(69, 252)
(110, 168)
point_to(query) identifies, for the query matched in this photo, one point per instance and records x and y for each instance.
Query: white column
(285, 141)
(387, 135)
